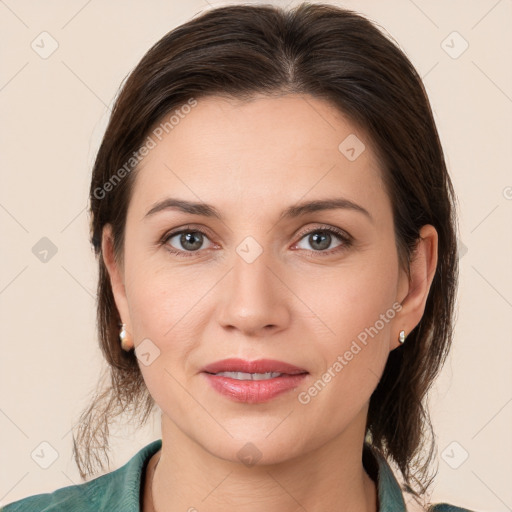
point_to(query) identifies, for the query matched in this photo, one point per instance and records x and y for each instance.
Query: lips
(258, 366)
(253, 382)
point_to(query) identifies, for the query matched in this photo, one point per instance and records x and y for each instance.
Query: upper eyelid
(185, 229)
(331, 229)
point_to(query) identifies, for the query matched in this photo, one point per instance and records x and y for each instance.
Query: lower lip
(254, 391)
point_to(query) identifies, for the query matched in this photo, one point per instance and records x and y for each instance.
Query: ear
(415, 290)
(116, 274)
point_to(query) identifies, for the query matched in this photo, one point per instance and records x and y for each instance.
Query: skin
(251, 160)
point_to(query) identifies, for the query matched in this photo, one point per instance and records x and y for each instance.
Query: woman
(276, 237)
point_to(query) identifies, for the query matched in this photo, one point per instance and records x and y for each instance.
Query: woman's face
(261, 281)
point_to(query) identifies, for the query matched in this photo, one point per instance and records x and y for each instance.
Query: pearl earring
(401, 337)
(126, 343)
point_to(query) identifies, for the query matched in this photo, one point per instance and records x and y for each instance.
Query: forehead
(268, 149)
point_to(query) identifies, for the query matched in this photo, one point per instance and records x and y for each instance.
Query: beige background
(54, 111)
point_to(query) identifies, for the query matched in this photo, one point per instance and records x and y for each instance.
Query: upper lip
(258, 366)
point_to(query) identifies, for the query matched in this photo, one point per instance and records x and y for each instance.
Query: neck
(330, 477)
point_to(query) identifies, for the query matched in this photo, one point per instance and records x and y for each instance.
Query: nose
(255, 300)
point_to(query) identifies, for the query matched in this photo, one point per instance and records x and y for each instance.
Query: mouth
(253, 381)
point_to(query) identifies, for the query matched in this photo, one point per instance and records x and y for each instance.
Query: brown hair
(329, 53)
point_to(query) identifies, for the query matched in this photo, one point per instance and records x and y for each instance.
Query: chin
(254, 448)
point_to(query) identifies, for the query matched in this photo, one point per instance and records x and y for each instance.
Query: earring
(126, 343)
(401, 337)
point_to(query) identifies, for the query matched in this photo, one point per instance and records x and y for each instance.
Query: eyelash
(342, 236)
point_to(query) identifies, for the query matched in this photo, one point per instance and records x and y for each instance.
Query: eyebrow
(207, 210)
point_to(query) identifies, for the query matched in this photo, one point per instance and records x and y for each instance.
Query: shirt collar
(389, 492)
(388, 489)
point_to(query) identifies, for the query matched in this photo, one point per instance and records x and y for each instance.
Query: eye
(190, 240)
(321, 239)
(187, 240)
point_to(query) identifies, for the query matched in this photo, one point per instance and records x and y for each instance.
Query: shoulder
(73, 497)
(391, 496)
(117, 490)
(447, 507)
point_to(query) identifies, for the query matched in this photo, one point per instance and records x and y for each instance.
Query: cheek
(161, 298)
(354, 317)
(168, 314)
(350, 298)
(166, 317)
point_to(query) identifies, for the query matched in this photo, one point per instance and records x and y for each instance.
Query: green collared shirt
(120, 490)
